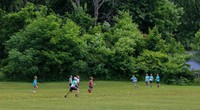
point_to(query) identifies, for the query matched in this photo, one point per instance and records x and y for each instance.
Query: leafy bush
(2, 76)
(196, 81)
(182, 81)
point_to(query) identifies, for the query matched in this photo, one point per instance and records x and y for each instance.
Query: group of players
(148, 80)
(74, 83)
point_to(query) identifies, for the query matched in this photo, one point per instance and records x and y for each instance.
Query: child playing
(73, 87)
(151, 79)
(158, 80)
(78, 80)
(134, 80)
(70, 80)
(35, 84)
(90, 85)
(147, 80)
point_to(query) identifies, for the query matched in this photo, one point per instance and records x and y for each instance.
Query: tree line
(106, 39)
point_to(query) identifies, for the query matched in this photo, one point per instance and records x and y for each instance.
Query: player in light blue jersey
(35, 86)
(134, 80)
(151, 79)
(147, 80)
(158, 80)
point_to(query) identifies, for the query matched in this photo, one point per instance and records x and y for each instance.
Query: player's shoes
(65, 96)
(76, 95)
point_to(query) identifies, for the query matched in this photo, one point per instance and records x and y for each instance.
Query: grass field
(107, 95)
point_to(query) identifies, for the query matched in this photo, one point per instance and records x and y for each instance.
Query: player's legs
(158, 84)
(135, 84)
(90, 89)
(35, 88)
(76, 94)
(70, 90)
(151, 83)
(147, 83)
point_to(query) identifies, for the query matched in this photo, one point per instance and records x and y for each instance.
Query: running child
(134, 80)
(158, 80)
(35, 86)
(73, 87)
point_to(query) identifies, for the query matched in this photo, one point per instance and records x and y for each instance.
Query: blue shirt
(35, 82)
(134, 79)
(146, 78)
(158, 78)
(74, 82)
(151, 78)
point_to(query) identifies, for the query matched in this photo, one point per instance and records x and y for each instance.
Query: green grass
(107, 95)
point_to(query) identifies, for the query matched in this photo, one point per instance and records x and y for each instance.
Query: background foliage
(56, 38)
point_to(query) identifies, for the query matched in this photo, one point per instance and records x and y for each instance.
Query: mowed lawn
(107, 95)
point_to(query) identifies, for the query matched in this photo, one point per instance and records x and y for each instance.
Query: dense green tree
(16, 21)
(196, 46)
(2, 13)
(98, 54)
(45, 47)
(11, 5)
(80, 16)
(154, 41)
(61, 38)
(190, 22)
(150, 13)
(172, 68)
(127, 42)
(167, 17)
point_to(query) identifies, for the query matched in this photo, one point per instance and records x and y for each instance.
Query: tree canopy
(107, 39)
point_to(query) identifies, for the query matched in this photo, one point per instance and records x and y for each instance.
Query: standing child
(73, 87)
(151, 79)
(90, 85)
(35, 84)
(70, 80)
(158, 80)
(147, 80)
(134, 80)
(78, 80)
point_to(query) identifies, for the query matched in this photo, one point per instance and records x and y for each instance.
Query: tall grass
(107, 95)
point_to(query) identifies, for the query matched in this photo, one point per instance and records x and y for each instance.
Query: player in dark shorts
(90, 85)
(73, 87)
(158, 80)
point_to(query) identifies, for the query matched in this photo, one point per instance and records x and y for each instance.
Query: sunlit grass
(107, 95)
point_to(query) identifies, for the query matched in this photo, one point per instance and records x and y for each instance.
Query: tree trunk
(97, 4)
(25, 2)
(78, 3)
